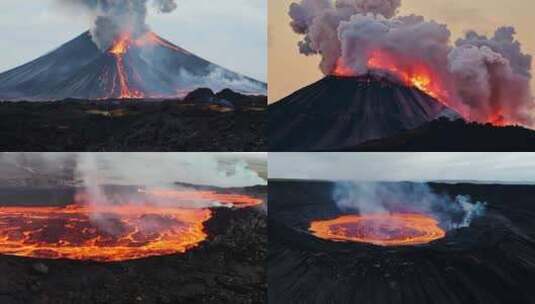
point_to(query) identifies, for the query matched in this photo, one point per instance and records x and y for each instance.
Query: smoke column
(370, 198)
(114, 17)
(486, 79)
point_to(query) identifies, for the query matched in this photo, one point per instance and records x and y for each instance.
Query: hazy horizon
(410, 166)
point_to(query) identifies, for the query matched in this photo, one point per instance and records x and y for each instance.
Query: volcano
(317, 253)
(132, 68)
(340, 111)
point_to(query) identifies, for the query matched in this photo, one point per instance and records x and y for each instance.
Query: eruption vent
(385, 229)
(124, 232)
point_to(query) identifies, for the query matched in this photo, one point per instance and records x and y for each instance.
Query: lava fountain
(383, 229)
(100, 233)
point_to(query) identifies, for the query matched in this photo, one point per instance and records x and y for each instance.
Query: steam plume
(113, 17)
(485, 79)
(369, 198)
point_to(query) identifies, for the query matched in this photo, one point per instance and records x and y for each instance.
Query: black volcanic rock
(456, 136)
(129, 126)
(78, 69)
(338, 112)
(200, 95)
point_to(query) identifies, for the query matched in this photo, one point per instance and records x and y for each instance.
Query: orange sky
(289, 70)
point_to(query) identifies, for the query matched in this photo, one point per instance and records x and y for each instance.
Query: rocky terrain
(458, 136)
(202, 121)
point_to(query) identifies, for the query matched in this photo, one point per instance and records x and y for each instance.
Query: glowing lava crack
(398, 229)
(103, 233)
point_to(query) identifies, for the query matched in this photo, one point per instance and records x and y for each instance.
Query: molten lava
(118, 50)
(417, 74)
(383, 229)
(341, 70)
(100, 233)
(210, 198)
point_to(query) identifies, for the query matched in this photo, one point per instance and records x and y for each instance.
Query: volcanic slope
(145, 67)
(338, 112)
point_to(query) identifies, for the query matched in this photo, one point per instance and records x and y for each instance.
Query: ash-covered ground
(202, 121)
(229, 267)
(491, 261)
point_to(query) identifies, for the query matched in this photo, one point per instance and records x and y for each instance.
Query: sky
(290, 71)
(502, 167)
(231, 33)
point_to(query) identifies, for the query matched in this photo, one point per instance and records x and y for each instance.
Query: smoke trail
(488, 79)
(369, 198)
(114, 17)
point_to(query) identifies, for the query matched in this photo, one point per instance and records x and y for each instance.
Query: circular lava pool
(100, 233)
(383, 229)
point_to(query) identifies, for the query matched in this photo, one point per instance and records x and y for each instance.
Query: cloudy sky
(506, 167)
(231, 33)
(289, 71)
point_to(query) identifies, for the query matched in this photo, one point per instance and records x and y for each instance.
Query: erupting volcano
(133, 67)
(342, 111)
(103, 233)
(396, 229)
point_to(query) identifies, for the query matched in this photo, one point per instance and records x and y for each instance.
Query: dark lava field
(491, 261)
(203, 121)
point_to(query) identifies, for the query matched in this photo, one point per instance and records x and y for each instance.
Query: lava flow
(118, 50)
(383, 229)
(416, 74)
(100, 233)
(210, 198)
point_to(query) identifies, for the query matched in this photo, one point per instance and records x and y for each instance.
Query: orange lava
(497, 119)
(341, 70)
(417, 74)
(383, 229)
(118, 50)
(103, 233)
(208, 197)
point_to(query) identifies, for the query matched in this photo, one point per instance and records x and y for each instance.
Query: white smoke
(113, 17)
(370, 198)
(217, 79)
(490, 77)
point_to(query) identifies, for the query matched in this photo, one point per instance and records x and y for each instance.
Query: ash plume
(376, 197)
(114, 17)
(485, 79)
